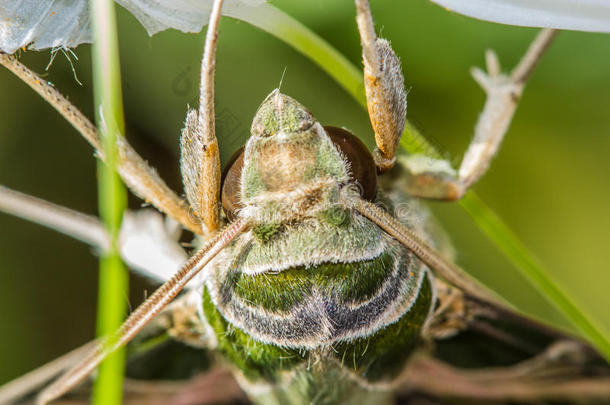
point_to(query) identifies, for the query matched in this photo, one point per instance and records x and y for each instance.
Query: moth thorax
(287, 165)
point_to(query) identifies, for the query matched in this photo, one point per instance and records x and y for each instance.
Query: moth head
(281, 115)
(291, 165)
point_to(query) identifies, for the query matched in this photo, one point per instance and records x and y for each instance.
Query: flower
(580, 15)
(65, 24)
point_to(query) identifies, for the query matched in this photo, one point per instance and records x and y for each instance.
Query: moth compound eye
(362, 165)
(231, 179)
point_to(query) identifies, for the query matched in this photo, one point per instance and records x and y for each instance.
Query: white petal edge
(150, 246)
(65, 23)
(580, 15)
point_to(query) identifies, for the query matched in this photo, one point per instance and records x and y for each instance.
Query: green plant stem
(302, 39)
(112, 198)
(510, 245)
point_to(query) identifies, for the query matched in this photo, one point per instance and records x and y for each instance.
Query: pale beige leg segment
(200, 158)
(384, 86)
(551, 376)
(179, 319)
(143, 314)
(83, 227)
(148, 240)
(30, 382)
(431, 178)
(139, 176)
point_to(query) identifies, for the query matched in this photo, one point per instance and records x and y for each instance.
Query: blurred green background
(550, 182)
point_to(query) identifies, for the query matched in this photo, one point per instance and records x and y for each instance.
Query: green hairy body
(315, 303)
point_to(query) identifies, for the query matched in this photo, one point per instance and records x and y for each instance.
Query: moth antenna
(138, 175)
(423, 251)
(143, 314)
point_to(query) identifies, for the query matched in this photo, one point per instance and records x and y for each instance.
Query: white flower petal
(155, 16)
(148, 246)
(47, 24)
(581, 15)
(65, 23)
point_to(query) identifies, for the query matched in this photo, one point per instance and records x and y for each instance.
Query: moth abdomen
(314, 292)
(343, 314)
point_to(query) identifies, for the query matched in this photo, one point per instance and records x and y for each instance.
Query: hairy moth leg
(19, 387)
(179, 319)
(432, 178)
(386, 98)
(85, 228)
(556, 374)
(148, 242)
(200, 158)
(140, 177)
(143, 314)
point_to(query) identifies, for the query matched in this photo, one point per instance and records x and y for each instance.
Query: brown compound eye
(362, 165)
(231, 179)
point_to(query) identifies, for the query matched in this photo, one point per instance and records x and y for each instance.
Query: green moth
(316, 303)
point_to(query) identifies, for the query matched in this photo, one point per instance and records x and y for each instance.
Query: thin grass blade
(112, 202)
